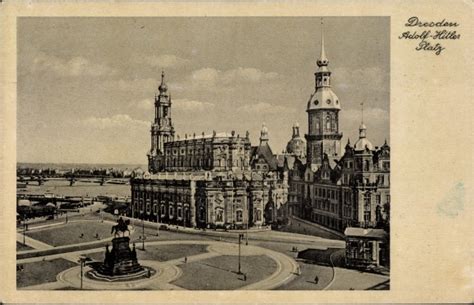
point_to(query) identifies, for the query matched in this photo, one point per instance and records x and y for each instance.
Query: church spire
(362, 128)
(322, 61)
(163, 87)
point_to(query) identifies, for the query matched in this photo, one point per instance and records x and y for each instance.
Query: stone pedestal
(121, 260)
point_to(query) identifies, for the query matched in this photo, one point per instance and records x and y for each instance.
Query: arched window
(328, 123)
(162, 209)
(366, 165)
(238, 216)
(219, 215)
(367, 199)
(378, 213)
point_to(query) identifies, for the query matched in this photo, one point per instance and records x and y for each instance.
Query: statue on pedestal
(120, 262)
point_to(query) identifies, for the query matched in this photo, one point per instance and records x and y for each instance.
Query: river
(80, 188)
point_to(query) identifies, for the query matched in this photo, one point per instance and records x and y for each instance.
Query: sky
(86, 85)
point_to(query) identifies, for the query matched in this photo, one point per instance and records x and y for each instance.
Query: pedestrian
(185, 259)
(149, 273)
(316, 280)
(245, 277)
(298, 270)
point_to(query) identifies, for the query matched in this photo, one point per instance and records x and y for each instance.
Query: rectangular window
(377, 198)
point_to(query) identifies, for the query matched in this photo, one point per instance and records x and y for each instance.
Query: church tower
(323, 116)
(162, 129)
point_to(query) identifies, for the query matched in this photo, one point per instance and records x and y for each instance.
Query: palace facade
(216, 180)
(334, 189)
(220, 180)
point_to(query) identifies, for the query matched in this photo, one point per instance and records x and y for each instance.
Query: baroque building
(215, 180)
(337, 190)
(347, 192)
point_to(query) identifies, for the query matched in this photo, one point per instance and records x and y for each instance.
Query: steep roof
(264, 151)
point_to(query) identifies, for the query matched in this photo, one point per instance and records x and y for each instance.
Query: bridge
(101, 180)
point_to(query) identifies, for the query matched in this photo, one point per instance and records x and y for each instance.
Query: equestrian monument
(120, 263)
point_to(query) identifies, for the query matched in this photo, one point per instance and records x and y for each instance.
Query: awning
(366, 233)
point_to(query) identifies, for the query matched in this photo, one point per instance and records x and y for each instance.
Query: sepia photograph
(203, 153)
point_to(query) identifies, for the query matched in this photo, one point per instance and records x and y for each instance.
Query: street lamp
(143, 231)
(241, 236)
(82, 261)
(157, 222)
(25, 226)
(247, 226)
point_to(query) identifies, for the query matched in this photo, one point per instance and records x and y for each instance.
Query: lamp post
(143, 231)
(82, 261)
(25, 226)
(247, 226)
(157, 222)
(241, 236)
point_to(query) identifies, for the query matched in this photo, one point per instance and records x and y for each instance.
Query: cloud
(248, 75)
(370, 115)
(136, 85)
(146, 104)
(162, 61)
(264, 108)
(208, 75)
(76, 66)
(211, 76)
(191, 105)
(374, 78)
(115, 121)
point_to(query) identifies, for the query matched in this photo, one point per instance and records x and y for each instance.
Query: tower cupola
(264, 134)
(163, 88)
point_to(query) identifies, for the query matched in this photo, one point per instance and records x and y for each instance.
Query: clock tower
(323, 116)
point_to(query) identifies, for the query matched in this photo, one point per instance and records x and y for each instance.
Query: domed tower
(162, 129)
(363, 157)
(296, 146)
(323, 115)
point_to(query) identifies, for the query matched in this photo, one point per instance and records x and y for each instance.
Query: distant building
(210, 181)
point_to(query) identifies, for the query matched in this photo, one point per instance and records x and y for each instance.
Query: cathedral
(215, 180)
